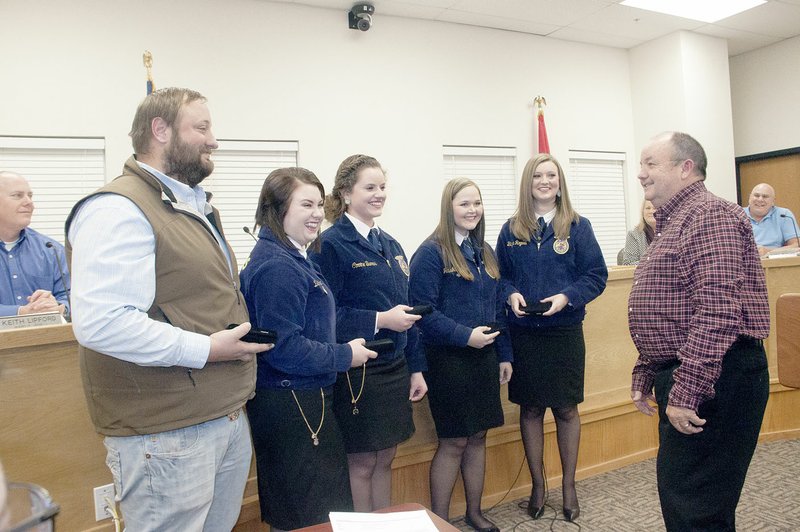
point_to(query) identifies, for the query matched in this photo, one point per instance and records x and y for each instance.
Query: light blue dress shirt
(29, 266)
(773, 231)
(114, 281)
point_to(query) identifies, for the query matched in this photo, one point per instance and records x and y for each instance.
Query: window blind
(493, 169)
(60, 172)
(596, 187)
(240, 167)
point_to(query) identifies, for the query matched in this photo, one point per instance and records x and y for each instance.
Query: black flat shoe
(535, 511)
(491, 528)
(571, 514)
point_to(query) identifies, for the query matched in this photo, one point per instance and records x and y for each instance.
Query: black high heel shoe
(571, 514)
(491, 528)
(535, 511)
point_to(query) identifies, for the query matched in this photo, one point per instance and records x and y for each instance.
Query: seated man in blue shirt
(773, 227)
(30, 262)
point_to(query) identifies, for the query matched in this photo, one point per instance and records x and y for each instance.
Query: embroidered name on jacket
(364, 264)
(512, 243)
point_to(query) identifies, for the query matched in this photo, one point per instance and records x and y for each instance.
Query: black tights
(469, 456)
(568, 434)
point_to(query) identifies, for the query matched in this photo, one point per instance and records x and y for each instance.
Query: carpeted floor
(626, 500)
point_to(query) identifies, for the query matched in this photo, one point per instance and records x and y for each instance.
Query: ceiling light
(703, 10)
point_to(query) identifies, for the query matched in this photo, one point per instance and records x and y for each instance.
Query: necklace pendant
(355, 410)
(316, 440)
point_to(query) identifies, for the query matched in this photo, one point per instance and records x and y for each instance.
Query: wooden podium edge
(787, 328)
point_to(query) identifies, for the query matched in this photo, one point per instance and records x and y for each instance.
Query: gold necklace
(314, 437)
(353, 398)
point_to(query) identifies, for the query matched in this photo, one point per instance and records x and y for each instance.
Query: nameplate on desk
(783, 252)
(31, 320)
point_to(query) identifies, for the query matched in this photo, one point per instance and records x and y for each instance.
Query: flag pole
(147, 59)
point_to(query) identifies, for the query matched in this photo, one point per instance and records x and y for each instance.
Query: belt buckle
(233, 416)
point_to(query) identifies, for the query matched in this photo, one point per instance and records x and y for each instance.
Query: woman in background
(300, 455)
(368, 275)
(455, 272)
(640, 236)
(548, 255)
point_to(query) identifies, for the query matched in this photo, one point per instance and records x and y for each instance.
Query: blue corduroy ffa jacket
(539, 271)
(287, 293)
(364, 282)
(459, 305)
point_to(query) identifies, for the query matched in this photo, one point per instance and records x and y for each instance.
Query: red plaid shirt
(699, 286)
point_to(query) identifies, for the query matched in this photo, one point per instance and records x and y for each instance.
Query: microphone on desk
(63, 282)
(247, 230)
(793, 225)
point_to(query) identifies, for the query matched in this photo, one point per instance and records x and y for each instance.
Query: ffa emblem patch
(403, 265)
(561, 246)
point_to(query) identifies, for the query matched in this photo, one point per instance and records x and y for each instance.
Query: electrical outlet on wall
(101, 493)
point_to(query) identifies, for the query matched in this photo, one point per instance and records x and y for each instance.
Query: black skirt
(463, 390)
(384, 413)
(548, 366)
(299, 483)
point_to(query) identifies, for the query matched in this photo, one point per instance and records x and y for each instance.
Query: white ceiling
(602, 22)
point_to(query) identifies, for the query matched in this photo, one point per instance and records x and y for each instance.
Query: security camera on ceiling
(360, 17)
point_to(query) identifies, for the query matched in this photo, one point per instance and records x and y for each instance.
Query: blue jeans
(187, 479)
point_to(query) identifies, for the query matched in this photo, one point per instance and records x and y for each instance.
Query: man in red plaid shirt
(697, 314)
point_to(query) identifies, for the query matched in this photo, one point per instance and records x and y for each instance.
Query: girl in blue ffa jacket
(368, 275)
(456, 273)
(549, 256)
(300, 455)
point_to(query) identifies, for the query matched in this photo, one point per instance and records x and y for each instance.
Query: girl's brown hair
(275, 197)
(346, 177)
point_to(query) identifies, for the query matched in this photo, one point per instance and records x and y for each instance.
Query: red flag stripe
(544, 144)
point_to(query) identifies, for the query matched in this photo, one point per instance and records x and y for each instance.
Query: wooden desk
(47, 437)
(788, 328)
(440, 523)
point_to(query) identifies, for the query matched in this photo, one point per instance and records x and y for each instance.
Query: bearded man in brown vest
(155, 284)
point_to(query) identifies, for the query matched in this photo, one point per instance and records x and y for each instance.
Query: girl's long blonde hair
(445, 233)
(524, 224)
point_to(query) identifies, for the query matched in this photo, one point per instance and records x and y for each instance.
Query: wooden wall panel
(783, 173)
(783, 277)
(47, 437)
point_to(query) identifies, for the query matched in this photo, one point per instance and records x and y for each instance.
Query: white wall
(287, 72)
(276, 71)
(681, 82)
(765, 88)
